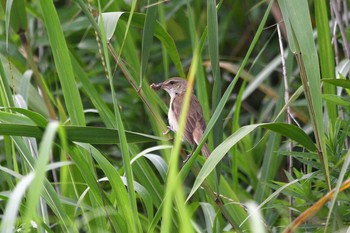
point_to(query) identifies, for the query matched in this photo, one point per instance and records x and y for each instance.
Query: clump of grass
(82, 146)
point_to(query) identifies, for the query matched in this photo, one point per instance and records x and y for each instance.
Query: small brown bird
(195, 124)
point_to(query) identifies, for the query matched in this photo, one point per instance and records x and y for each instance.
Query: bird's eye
(172, 82)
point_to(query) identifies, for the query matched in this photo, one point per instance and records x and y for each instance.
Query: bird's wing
(194, 116)
(197, 112)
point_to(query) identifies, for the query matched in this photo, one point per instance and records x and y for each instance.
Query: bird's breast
(172, 119)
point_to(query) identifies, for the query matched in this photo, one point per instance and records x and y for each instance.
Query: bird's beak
(156, 87)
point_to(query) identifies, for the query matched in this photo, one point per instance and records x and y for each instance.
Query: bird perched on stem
(195, 124)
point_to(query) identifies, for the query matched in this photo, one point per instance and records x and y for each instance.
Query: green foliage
(82, 146)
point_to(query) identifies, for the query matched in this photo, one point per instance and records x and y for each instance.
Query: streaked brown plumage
(195, 123)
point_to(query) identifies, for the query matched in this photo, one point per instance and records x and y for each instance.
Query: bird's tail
(205, 150)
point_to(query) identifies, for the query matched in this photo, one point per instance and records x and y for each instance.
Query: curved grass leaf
(37, 118)
(338, 82)
(21, 130)
(12, 118)
(94, 135)
(293, 132)
(157, 160)
(110, 20)
(145, 196)
(336, 99)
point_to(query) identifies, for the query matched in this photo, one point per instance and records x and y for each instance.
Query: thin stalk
(345, 13)
(334, 38)
(341, 28)
(288, 115)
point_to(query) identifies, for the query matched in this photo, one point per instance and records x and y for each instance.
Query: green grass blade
(147, 37)
(307, 57)
(214, 59)
(338, 82)
(201, 87)
(213, 44)
(235, 126)
(90, 90)
(338, 100)
(63, 63)
(326, 53)
(162, 22)
(92, 135)
(38, 119)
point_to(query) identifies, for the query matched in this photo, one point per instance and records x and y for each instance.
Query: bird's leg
(169, 128)
(190, 154)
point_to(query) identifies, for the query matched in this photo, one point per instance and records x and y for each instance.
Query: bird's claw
(187, 158)
(168, 130)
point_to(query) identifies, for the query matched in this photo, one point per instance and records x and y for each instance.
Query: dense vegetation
(83, 148)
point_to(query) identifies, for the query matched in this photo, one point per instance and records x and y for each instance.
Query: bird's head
(173, 86)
